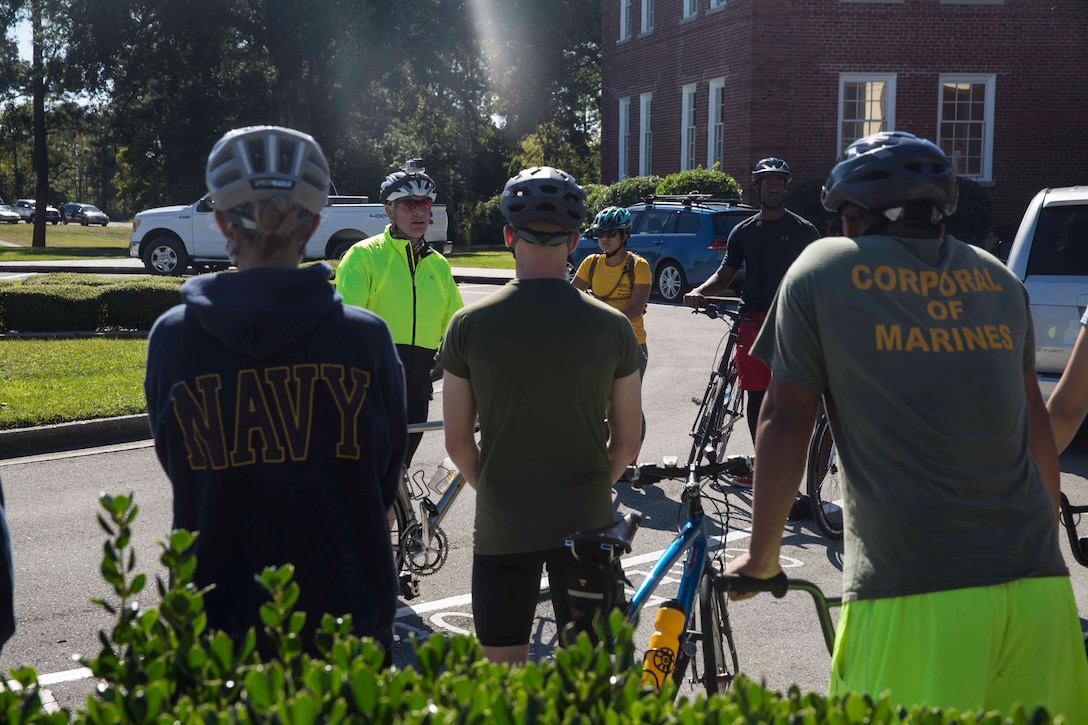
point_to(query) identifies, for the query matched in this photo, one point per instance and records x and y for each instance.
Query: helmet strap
(622, 249)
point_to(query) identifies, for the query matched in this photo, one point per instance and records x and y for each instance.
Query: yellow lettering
(884, 278)
(929, 280)
(916, 340)
(862, 277)
(963, 277)
(293, 396)
(253, 417)
(993, 337)
(1006, 335)
(908, 281)
(937, 310)
(889, 337)
(349, 402)
(201, 423)
(958, 339)
(974, 338)
(955, 307)
(938, 338)
(994, 286)
(948, 287)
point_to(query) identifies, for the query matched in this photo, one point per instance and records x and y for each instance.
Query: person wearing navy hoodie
(278, 412)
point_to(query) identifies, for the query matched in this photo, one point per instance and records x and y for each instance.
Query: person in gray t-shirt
(922, 349)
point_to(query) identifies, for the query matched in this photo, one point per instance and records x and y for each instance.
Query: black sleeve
(7, 578)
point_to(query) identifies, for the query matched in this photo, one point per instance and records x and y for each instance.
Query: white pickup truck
(171, 238)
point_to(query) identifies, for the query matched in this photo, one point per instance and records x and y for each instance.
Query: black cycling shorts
(505, 591)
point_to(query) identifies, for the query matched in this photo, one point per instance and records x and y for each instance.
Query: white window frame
(989, 81)
(715, 124)
(645, 134)
(625, 19)
(889, 81)
(687, 127)
(717, 4)
(647, 15)
(691, 8)
(624, 156)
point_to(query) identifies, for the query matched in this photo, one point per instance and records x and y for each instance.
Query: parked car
(25, 207)
(1050, 255)
(8, 215)
(682, 237)
(85, 214)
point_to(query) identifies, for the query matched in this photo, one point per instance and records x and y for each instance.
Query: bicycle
(420, 546)
(824, 487)
(1070, 517)
(713, 636)
(722, 404)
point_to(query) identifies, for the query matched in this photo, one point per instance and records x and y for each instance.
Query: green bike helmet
(612, 217)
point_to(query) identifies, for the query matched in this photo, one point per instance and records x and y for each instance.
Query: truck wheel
(165, 256)
(341, 249)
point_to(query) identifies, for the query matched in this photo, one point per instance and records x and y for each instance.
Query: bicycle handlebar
(720, 307)
(647, 474)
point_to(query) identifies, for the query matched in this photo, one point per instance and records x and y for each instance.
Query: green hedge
(161, 664)
(704, 181)
(73, 302)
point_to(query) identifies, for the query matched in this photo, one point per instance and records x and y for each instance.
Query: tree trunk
(41, 160)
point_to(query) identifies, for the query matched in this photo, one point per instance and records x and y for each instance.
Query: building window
(965, 123)
(715, 4)
(625, 140)
(715, 125)
(687, 128)
(645, 137)
(691, 8)
(625, 19)
(866, 106)
(647, 15)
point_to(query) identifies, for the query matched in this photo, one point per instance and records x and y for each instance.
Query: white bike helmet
(259, 162)
(411, 180)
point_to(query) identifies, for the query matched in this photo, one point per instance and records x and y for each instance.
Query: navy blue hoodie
(279, 416)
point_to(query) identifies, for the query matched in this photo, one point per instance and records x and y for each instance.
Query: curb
(20, 442)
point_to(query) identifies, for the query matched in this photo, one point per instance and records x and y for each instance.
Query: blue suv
(682, 237)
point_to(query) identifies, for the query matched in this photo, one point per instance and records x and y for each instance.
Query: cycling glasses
(412, 204)
(548, 239)
(608, 233)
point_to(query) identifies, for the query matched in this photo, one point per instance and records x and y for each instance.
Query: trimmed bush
(137, 304)
(594, 196)
(704, 181)
(629, 191)
(50, 308)
(162, 665)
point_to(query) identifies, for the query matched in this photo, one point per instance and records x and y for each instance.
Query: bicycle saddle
(620, 534)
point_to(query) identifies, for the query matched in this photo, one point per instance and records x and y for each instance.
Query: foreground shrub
(163, 665)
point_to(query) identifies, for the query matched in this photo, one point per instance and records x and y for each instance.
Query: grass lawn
(58, 381)
(63, 241)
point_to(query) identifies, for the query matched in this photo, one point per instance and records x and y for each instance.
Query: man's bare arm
(1041, 440)
(1069, 401)
(624, 423)
(716, 285)
(459, 422)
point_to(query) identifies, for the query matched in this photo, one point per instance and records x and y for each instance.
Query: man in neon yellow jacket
(399, 277)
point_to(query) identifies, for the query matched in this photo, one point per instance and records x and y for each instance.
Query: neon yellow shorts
(982, 648)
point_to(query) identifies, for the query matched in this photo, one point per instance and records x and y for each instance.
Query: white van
(1050, 255)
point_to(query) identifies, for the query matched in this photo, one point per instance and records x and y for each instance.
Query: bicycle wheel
(708, 420)
(824, 487)
(732, 411)
(719, 651)
(398, 526)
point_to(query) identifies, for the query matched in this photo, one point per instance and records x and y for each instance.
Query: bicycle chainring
(424, 561)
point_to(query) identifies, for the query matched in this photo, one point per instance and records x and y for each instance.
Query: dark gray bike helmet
(888, 170)
(771, 165)
(544, 194)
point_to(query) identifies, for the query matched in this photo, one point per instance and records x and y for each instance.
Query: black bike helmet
(888, 170)
(544, 194)
(771, 165)
(411, 180)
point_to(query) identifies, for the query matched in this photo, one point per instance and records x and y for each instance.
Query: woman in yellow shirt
(617, 277)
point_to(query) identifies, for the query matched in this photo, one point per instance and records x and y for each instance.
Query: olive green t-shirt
(919, 348)
(542, 357)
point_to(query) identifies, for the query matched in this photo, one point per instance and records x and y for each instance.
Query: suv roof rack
(692, 198)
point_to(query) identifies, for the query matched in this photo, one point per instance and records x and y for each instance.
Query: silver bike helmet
(544, 194)
(260, 162)
(411, 180)
(771, 165)
(889, 170)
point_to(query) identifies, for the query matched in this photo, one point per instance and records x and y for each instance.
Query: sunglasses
(609, 233)
(548, 239)
(413, 204)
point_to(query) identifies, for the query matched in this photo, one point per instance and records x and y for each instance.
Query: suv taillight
(718, 243)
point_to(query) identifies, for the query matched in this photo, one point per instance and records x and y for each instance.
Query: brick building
(1000, 85)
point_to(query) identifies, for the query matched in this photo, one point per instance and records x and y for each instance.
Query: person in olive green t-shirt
(543, 365)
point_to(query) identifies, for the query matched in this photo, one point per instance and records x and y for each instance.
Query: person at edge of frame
(278, 412)
(542, 364)
(922, 347)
